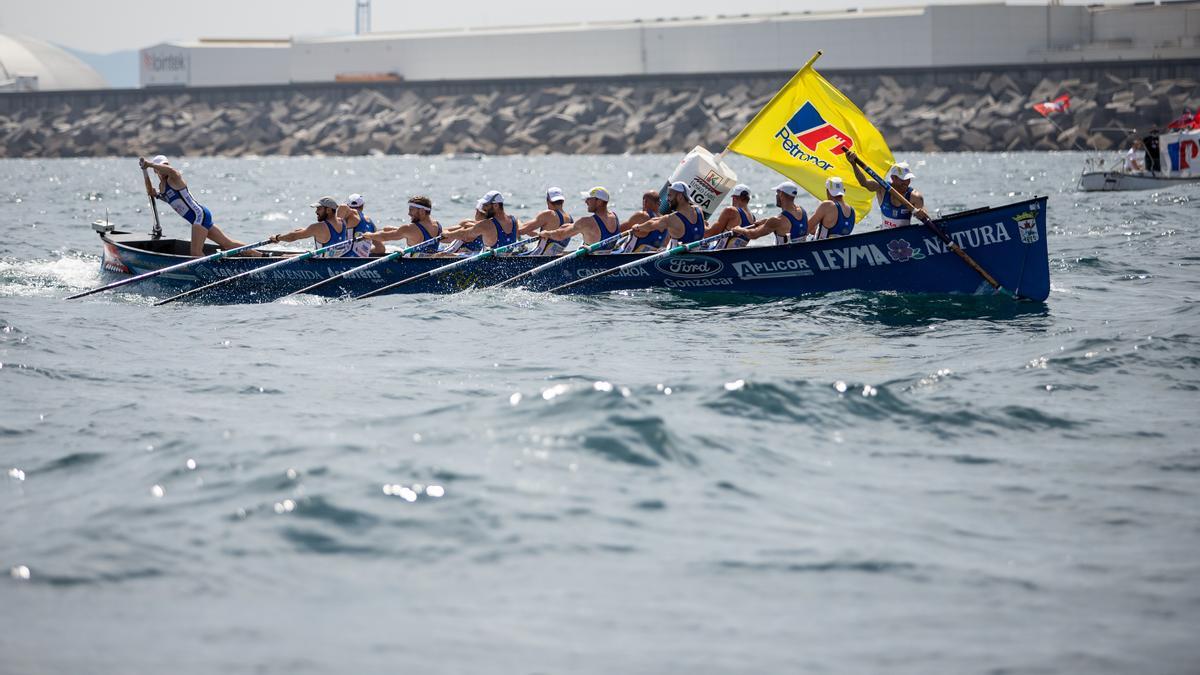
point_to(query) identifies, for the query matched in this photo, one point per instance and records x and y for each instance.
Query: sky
(105, 26)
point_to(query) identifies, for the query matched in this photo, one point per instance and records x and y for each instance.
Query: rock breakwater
(924, 111)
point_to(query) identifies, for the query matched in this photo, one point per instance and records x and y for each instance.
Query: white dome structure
(28, 64)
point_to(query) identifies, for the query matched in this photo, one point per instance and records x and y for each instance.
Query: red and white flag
(1058, 105)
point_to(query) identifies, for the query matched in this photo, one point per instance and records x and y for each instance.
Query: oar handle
(156, 233)
(941, 234)
(581, 251)
(368, 265)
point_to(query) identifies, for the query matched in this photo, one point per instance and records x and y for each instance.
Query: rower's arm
(657, 224)
(637, 218)
(566, 231)
(918, 200)
(390, 234)
(465, 233)
(297, 234)
(164, 170)
(525, 229)
(819, 216)
(724, 222)
(349, 215)
(859, 175)
(760, 229)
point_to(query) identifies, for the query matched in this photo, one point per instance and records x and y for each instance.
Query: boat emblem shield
(1027, 226)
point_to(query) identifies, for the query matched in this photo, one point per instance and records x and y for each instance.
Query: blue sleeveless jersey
(843, 226)
(505, 238)
(425, 233)
(799, 227)
(365, 224)
(692, 231)
(895, 215)
(186, 206)
(560, 242)
(602, 228)
(336, 237)
(738, 241)
(654, 240)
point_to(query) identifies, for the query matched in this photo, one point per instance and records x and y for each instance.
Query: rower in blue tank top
(735, 216)
(602, 225)
(421, 228)
(789, 226)
(335, 225)
(685, 225)
(490, 233)
(173, 190)
(652, 241)
(833, 217)
(899, 177)
(552, 218)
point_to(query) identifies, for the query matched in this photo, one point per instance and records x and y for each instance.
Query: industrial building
(918, 37)
(29, 64)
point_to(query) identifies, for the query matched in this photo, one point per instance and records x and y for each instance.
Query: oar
(446, 268)
(582, 250)
(682, 248)
(150, 275)
(360, 268)
(156, 233)
(941, 234)
(257, 270)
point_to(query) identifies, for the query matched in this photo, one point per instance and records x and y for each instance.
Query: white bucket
(708, 180)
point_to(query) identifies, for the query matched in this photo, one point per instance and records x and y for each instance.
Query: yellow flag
(801, 133)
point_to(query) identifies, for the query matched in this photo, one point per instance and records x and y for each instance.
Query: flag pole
(758, 114)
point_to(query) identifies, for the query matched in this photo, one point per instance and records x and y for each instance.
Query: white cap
(835, 186)
(159, 159)
(492, 197)
(901, 171)
(597, 192)
(555, 194)
(355, 201)
(479, 205)
(679, 186)
(788, 188)
(740, 190)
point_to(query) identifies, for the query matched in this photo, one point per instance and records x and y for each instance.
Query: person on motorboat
(552, 218)
(685, 224)
(789, 226)
(497, 228)
(365, 224)
(652, 241)
(900, 177)
(335, 225)
(173, 190)
(833, 217)
(734, 216)
(1134, 156)
(600, 226)
(1150, 142)
(421, 228)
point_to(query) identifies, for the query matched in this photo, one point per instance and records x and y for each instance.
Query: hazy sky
(104, 26)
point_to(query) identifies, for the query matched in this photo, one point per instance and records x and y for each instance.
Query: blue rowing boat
(1008, 241)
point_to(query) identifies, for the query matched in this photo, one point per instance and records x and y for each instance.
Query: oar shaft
(374, 263)
(172, 268)
(157, 231)
(582, 250)
(941, 234)
(446, 268)
(257, 270)
(681, 248)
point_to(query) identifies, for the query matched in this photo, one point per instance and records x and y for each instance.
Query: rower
(652, 241)
(899, 176)
(334, 225)
(681, 228)
(455, 246)
(602, 225)
(735, 216)
(422, 227)
(499, 228)
(789, 226)
(552, 218)
(833, 217)
(173, 190)
(365, 224)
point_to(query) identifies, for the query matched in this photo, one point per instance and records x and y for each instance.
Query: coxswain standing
(552, 218)
(652, 241)
(334, 226)
(498, 228)
(737, 215)
(422, 227)
(602, 225)
(173, 190)
(790, 225)
(900, 177)
(833, 217)
(365, 224)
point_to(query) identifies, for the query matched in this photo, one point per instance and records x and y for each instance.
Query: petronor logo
(811, 130)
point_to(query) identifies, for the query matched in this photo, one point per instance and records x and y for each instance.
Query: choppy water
(499, 481)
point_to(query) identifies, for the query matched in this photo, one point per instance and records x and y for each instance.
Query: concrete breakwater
(926, 111)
